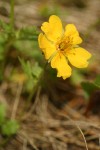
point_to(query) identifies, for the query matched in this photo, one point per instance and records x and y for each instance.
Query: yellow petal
(60, 63)
(53, 29)
(78, 57)
(72, 33)
(47, 47)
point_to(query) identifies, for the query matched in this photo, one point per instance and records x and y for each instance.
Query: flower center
(63, 44)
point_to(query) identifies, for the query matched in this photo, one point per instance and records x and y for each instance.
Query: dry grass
(43, 126)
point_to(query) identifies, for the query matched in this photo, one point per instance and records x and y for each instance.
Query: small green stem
(12, 14)
(32, 94)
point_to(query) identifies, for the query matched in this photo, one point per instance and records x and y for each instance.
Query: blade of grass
(12, 14)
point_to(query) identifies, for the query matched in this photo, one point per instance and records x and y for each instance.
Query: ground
(58, 116)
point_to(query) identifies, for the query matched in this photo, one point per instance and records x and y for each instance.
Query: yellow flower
(60, 46)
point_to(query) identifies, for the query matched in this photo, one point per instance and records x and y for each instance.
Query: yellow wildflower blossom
(60, 46)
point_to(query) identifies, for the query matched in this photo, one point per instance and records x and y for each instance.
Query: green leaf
(97, 81)
(32, 71)
(3, 38)
(36, 70)
(2, 113)
(28, 33)
(10, 127)
(26, 67)
(89, 87)
(5, 26)
(1, 52)
(76, 77)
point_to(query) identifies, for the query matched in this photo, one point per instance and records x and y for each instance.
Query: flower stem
(12, 14)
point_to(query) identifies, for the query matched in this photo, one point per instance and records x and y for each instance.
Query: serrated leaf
(36, 71)
(33, 72)
(28, 33)
(26, 67)
(2, 113)
(10, 127)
